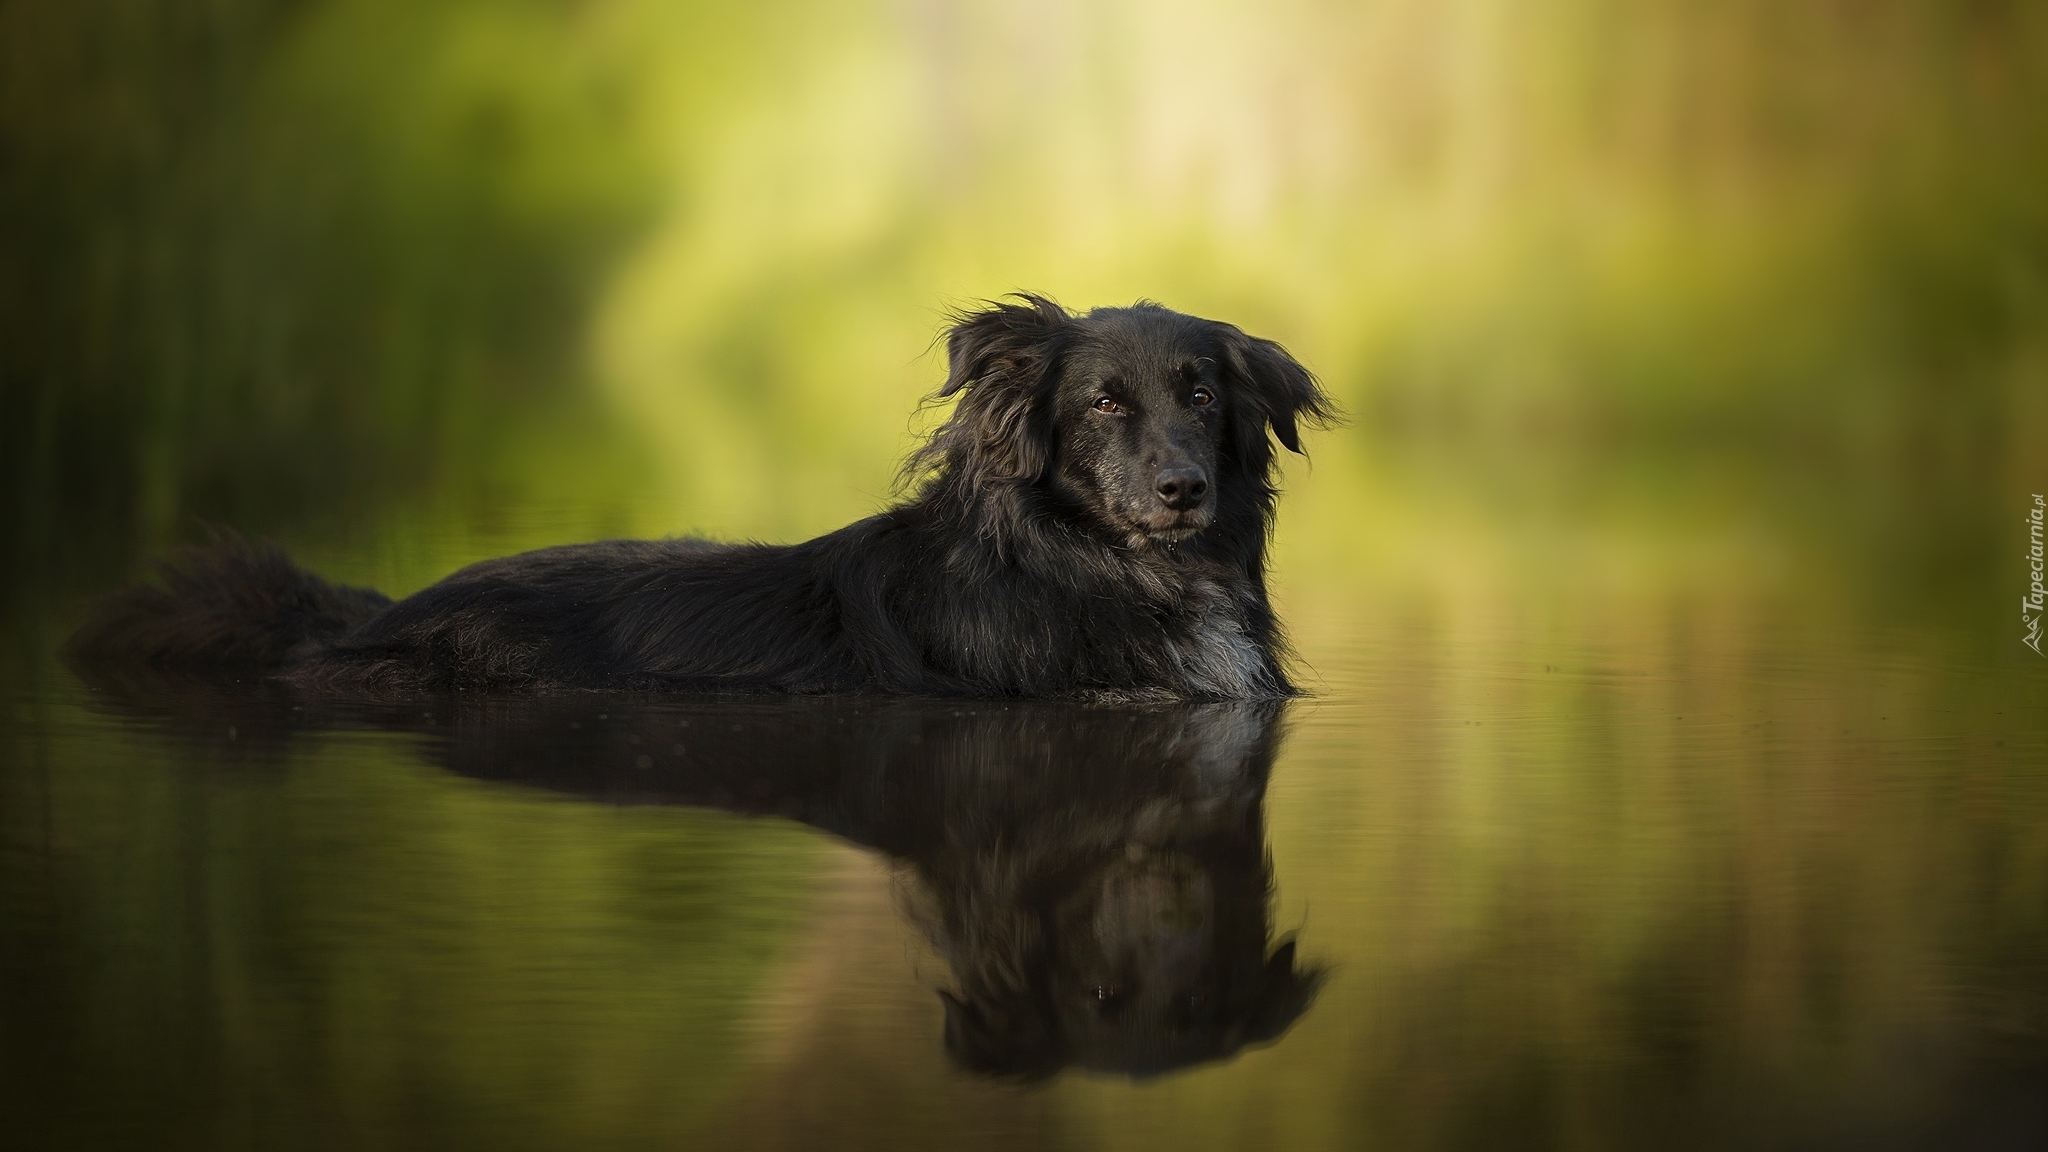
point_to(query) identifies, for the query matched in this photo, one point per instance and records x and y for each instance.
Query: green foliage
(302, 266)
(265, 258)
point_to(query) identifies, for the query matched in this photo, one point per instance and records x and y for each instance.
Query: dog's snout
(1182, 486)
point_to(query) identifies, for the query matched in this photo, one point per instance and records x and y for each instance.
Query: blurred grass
(274, 262)
(295, 266)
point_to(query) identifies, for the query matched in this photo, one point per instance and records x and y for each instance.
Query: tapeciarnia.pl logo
(2032, 603)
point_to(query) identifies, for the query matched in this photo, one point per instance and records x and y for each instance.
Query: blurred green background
(1676, 767)
(1772, 277)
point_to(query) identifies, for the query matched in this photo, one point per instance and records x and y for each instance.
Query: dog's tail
(229, 604)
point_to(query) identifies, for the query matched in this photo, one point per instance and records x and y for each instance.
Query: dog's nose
(1181, 487)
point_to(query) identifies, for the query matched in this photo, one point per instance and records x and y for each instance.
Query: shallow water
(1587, 874)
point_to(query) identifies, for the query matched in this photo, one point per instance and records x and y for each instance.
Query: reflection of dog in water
(1118, 923)
(1096, 878)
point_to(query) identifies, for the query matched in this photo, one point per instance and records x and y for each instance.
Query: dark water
(1691, 881)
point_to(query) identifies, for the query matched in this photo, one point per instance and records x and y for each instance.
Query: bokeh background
(1695, 360)
(1661, 271)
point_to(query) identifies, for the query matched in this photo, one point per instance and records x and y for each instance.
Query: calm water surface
(1707, 878)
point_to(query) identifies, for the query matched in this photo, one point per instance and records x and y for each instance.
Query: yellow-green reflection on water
(336, 947)
(1675, 775)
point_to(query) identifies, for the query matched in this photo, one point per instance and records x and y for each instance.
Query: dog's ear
(1002, 361)
(1276, 385)
(1285, 992)
(1001, 342)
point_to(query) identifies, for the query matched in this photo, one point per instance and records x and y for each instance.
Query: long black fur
(1031, 560)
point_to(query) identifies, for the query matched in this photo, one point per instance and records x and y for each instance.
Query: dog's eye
(1105, 404)
(1202, 398)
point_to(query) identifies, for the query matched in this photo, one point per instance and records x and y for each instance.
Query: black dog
(1092, 522)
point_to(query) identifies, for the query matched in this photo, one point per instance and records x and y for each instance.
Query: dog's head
(1148, 423)
(1143, 964)
(1105, 899)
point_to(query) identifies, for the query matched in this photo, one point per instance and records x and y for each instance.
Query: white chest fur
(1217, 653)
